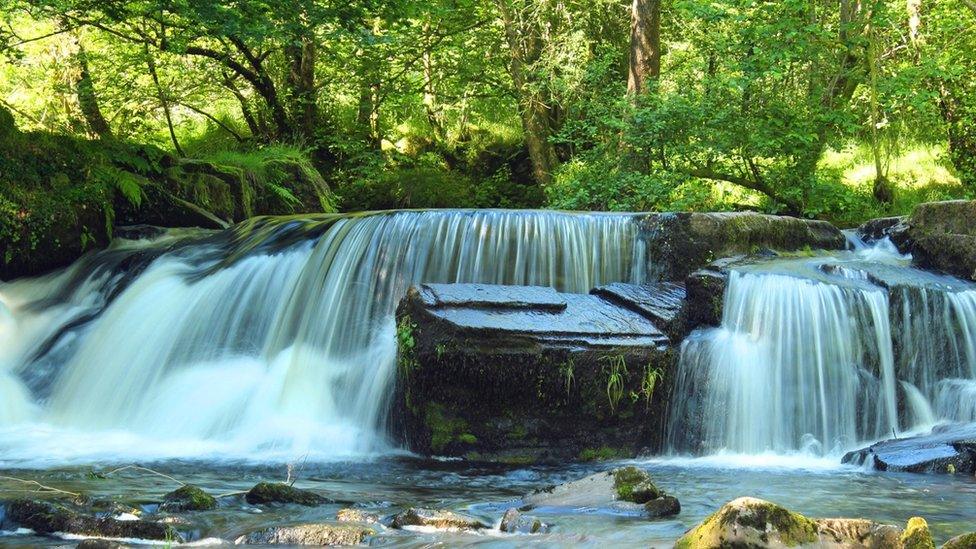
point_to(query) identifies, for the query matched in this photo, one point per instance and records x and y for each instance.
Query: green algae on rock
(279, 492)
(188, 498)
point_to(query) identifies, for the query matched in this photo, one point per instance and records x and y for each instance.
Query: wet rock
(279, 492)
(943, 237)
(917, 535)
(626, 490)
(46, 518)
(680, 243)
(100, 544)
(662, 303)
(965, 541)
(357, 515)
(188, 498)
(948, 448)
(308, 534)
(706, 296)
(522, 374)
(514, 522)
(440, 519)
(895, 228)
(664, 506)
(751, 522)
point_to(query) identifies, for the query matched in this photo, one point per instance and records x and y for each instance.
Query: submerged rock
(100, 544)
(357, 515)
(680, 243)
(751, 522)
(440, 519)
(895, 228)
(308, 534)
(188, 498)
(527, 374)
(279, 492)
(626, 490)
(948, 448)
(47, 518)
(514, 522)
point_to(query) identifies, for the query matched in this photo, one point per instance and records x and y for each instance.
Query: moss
(763, 517)
(279, 492)
(917, 535)
(965, 541)
(445, 429)
(603, 453)
(634, 485)
(189, 498)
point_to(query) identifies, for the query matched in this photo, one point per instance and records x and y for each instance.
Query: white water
(281, 354)
(818, 356)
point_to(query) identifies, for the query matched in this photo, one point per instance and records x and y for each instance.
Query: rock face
(950, 448)
(527, 374)
(188, 498)
(47, 518)
(443, 520)
(626, 490)
(308, 534)
(680, 243)
(943, 237)
(277, 492)
(751, 522)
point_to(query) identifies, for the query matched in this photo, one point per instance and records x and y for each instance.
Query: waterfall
(276, 339)
(820, 355)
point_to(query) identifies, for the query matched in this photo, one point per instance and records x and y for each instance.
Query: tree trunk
(163, 101)
(85, 91)
(523, 37)
(645, 44)
(301, 80)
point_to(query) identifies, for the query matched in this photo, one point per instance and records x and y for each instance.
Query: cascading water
(819, 355)
(279, 342)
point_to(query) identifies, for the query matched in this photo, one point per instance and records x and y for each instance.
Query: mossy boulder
(279, 492)
(680, 243)
(917, 535)
(47, 518)
(357, 515)
(308, 534)
(964, 541)
(520, 374)
(440, 519)
(755, 523)
(188, 498)
(626, 491)
(943, 237)
(751, 522)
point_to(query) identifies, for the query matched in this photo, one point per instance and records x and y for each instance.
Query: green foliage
(615, 368)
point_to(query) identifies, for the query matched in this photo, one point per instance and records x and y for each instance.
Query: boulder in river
(99, 544)
(47, 518)
(680, 243)
(948, 448)
(524, 374)
(917, 535)
(964, 541)
(279, 492)
(435, 518)
(308, 534)
(625, 490)
(751, 522)
(514, 522)
(943, 237)
(188, 498)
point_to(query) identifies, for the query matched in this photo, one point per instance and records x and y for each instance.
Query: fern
(127, 183)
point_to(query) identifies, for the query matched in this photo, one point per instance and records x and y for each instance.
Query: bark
(301, 80)
(524, 39)
(85, 92)
(645, 44)
(433, 110)
(163, 101)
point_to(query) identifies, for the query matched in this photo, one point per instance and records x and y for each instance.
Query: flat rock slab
(947, 448)
(540, 313)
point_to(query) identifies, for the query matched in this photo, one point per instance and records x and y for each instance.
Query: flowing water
(218, 357)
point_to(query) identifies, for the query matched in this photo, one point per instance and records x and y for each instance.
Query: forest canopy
(841, 109)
